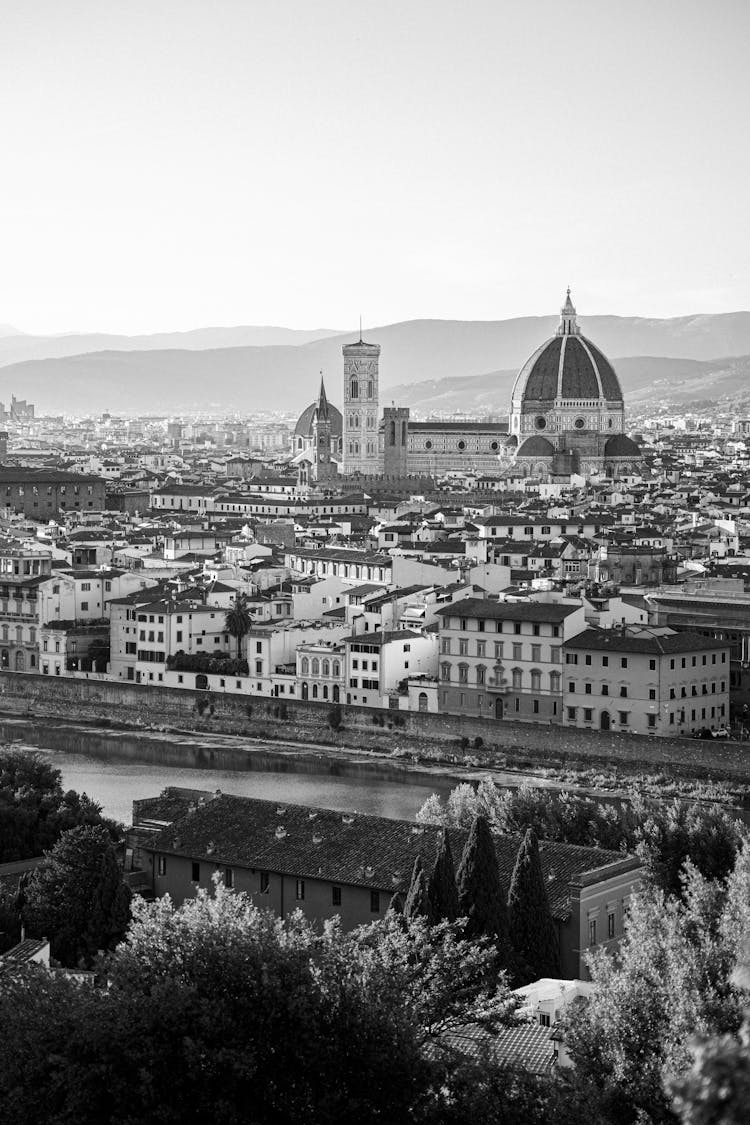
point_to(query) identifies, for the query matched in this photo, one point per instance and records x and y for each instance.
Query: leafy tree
(630, 1039)
(76, 896)
(442, 892)
(417, 903)
(252, 1019)
(481, 899)
(238, 620)
(663, 833)
(532, 930)
(34, 811)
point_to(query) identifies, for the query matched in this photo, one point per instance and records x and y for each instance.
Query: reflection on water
(116, 783)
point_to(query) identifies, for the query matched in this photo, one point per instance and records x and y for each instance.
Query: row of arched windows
(316, 667)
(367, 388)
(517, 677)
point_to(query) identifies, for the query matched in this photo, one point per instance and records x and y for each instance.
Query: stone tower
(360, 429)
(322, 468)
(396, 441)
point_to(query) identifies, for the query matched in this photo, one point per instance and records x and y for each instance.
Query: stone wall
(451, 737)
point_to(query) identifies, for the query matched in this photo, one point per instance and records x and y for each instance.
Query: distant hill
(644, 380)
(661, 354)
(17, 346)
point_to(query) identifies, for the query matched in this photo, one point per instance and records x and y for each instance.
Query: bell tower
(360, 429)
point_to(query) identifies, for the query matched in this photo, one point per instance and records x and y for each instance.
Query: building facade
(646, 680)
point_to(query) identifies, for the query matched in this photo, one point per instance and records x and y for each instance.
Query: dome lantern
(568, 326)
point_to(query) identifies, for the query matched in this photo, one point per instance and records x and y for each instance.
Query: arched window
(422, 701)
(336, 668)
(305, 666)
(355, 388)
(517, 679)
(315, 691)
(369, 388)
(325, 691)
(403, 433)
(326, 668)
(481, 674)
(392, 434)
(316, 667)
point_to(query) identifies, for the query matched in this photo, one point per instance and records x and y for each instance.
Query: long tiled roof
(355, 849)
(642, 641)
(507, 611)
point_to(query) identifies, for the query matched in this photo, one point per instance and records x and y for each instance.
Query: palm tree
(238, 620)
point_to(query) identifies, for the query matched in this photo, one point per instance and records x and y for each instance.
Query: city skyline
(171, 166)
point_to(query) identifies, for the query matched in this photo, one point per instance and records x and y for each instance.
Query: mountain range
(429, 364)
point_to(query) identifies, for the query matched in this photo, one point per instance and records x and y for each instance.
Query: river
(116, 767)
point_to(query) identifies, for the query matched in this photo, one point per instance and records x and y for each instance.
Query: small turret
(568, 326)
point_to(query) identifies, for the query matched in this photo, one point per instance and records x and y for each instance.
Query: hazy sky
(169, 164)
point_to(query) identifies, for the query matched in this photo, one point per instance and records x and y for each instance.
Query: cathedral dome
(567, 368)
(303, 428)
(621, 446)
(535, 446)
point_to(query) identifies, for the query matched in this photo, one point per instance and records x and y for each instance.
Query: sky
(172, 164)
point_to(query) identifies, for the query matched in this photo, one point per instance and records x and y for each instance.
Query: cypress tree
(417, 902)
(533, 934)
(441, 888)
(480, 894)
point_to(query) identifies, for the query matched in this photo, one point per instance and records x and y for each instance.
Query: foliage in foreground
(663, 833)
(226, 1014)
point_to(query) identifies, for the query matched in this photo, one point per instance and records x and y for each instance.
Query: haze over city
(172, 165)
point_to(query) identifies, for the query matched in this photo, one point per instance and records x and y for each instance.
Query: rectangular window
(588, 714)
(571, 686)
(336, 896)
(587, 658)
(374, 902)
(592, 931)
(652, 665)
(195, 874)
(623, 692)
(517, 651)
(587, 689)
(605, 662)
(652, 693)
(624, 717)
(229, 877)
(265, 882)
(162, 868)
(651, 720)
(610, 925)
(623, 661)
(571, 714)
(299, 890)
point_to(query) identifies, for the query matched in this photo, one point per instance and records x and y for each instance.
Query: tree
(76, 896)
(335, 717)
(34, 811)
(238, 620)
(630, 1039)
(480, 896)
(532, 930)
(252, 1018)
(442, 893)
(417, 904)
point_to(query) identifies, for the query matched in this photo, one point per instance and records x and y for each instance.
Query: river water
(116, 767)
(115, 784)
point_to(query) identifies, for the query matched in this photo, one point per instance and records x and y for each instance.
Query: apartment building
(23, 571)
(377, 664)
(646, 680)
(504, 659)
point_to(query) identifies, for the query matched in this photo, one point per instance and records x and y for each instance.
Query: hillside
(285, 376)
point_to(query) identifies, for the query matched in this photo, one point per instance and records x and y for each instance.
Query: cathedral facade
(567, 417)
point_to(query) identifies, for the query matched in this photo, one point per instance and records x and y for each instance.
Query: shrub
(335, 718)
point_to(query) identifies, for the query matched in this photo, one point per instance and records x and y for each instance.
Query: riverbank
(479, 743)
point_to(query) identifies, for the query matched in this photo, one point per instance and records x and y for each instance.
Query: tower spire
(322, 407)
(360, 328)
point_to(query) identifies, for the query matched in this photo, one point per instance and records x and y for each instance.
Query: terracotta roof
(642, 640)
(528, 1045)
(508, 611)
(358, 850)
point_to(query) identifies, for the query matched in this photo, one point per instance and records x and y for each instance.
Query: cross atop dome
(568, 326)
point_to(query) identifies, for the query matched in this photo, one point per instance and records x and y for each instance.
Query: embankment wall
(425, 735)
